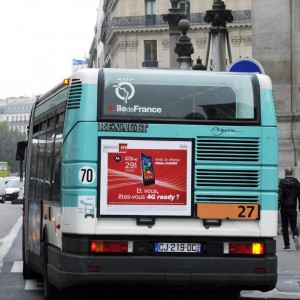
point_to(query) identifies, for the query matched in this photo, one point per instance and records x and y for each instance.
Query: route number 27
(246, 211)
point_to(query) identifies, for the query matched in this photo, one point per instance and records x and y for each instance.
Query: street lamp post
(184, 48)
(173, 18)
(218, 17)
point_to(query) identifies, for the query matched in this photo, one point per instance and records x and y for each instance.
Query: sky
(39, 39)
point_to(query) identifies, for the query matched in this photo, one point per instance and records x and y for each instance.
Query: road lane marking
(30, 284)
(17, 267)
(33, 284)
(7, 241)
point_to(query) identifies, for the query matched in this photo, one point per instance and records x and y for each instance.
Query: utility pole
(218, 16)
(173, 18)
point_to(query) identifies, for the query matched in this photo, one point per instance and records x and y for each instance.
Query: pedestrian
(288, 194)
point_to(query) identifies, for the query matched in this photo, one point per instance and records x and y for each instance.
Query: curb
(274, 294)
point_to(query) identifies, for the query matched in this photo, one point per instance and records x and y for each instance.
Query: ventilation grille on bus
(229, 198)
(228, 149)
(233, 179)
(74, 94)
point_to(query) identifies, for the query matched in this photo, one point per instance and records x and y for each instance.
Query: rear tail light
(111, 246)
(244, 248)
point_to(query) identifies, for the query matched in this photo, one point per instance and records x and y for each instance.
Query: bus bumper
(245, 273)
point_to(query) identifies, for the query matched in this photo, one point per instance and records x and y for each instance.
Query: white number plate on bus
(178, 247)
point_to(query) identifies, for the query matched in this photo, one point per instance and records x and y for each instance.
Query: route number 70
(86, 175)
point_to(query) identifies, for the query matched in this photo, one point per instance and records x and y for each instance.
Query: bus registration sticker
(177, 247)
(229, 211)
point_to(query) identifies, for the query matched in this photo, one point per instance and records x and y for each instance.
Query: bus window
(220, 100)
(33, 169)
(49, 159)
(56, 180)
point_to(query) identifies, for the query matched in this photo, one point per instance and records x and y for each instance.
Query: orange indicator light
(246, 248)
(257, 248)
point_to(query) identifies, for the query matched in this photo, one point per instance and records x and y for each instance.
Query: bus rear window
(223, 98)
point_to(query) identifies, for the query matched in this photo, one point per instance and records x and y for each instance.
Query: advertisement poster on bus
(145, 177)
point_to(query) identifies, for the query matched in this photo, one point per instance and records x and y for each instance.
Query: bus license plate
(178, 247)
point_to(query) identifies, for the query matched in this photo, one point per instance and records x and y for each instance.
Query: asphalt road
(288, 284)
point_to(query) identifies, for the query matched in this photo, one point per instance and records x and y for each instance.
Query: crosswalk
(31, 284)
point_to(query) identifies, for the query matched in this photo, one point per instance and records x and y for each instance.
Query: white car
(12, 188)
(2, 190)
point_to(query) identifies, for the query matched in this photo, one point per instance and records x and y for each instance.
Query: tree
(8, 146)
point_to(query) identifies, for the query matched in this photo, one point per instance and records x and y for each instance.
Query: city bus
(153, 177)
(4, 169)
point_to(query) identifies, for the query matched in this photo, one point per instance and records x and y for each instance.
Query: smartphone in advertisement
(147, 169)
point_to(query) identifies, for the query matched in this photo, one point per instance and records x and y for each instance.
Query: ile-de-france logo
(124, 91)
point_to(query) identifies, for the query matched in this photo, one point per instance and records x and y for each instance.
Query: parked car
(12, 188)
(2, 190)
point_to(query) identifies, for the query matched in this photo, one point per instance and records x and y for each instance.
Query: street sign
(248, 65)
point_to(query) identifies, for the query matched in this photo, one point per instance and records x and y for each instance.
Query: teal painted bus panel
(81, 144)
(191, 131)
(269, 201)
(269, 141)
(268, 117)
(69, 199)
(269, 178)
(90, 105)
(211, 131)
(75, 175)
(86, 110)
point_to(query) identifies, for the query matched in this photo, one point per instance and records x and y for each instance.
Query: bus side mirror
(21, 148)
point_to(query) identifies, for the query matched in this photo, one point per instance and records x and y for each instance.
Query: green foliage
(8, 146)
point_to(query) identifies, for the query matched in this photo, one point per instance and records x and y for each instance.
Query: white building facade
(16, 112)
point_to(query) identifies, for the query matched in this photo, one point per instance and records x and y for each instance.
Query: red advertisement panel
(145, 177)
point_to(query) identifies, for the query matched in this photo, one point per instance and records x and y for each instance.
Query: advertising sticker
(145, 177)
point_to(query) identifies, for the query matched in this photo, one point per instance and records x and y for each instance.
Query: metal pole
(219, 16)
(207, 50)
(218, 50)
(228, 48)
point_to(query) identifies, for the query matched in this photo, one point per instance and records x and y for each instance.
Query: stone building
(134, 33)
(276, 45)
